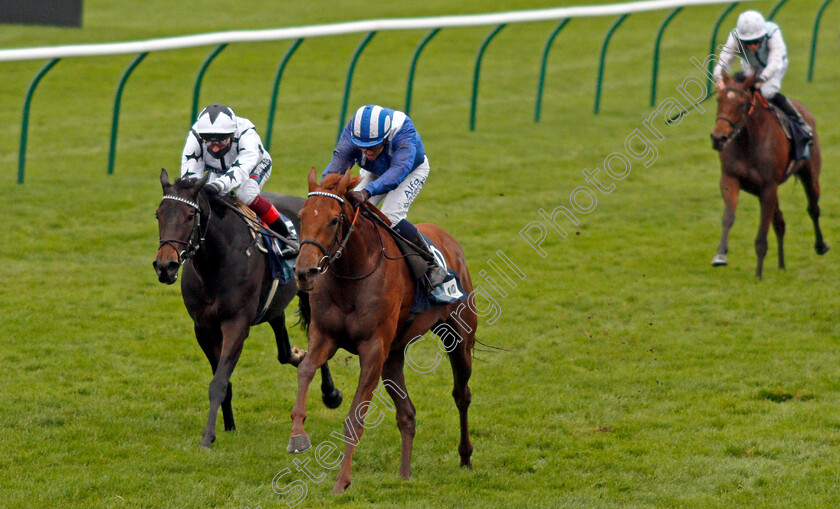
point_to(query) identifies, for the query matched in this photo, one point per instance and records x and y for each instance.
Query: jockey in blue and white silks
(763, 53)
(231, 150)
(394, 167)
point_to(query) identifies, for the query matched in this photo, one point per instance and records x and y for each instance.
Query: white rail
(189, 41)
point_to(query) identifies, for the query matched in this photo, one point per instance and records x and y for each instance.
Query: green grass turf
(634, 374)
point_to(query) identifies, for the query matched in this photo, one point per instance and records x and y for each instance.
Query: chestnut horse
(225, 281)
(755, 156)
(361, 294)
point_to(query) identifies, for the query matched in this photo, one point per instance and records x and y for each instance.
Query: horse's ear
(344, 182)
(200, 182)
(724, 75)
(313, 179)
(164, 179)
(750, 82)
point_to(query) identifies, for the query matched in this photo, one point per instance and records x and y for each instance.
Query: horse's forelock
(739, 77)
(184, 183)
(331, 182)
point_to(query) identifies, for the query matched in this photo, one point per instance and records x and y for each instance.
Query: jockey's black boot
(287, 250)
(785, 105)
(436, 273)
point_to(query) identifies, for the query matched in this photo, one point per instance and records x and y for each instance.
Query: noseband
(337, 243)
(196, 239)
(736, 129)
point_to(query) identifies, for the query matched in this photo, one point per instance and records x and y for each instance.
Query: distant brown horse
(361, 294)
(225, 280)
(755, 155)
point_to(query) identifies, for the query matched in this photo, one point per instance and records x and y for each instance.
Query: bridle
(736, 129)
(338, 244)
(196, 239)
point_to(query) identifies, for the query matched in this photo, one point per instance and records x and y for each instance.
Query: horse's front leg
(234, 333)
(729, 188)
(769, 202)
(210, 342)
(371, 359)
(321, 348)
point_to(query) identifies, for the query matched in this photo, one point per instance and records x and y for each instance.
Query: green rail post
(548, 43)
(413, 67)
(612, 29)
(25, 123)
(714, 41)
(656, 54)
(117, 100)
(477, 72)
(276, 89)
(814, 39)
(775, 9)
(349, 81)
(200, 77)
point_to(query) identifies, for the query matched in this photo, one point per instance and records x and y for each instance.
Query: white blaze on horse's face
(730, 95)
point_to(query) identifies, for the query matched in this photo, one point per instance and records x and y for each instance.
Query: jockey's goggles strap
(182, 200)
(321, 193)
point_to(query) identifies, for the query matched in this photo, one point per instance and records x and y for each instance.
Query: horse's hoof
(299, 443)
(207, 442)
(823, 249)
(340, 487)
(333, 399)
(466, 463)
(719, 260)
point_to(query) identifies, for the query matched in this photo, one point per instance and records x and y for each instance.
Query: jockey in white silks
(762, 50)
(394, 167)
(231, 150)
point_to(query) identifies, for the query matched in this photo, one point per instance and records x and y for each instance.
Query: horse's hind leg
(211, 345)
(394, 382)
(460, 357)
(729, 188)
(779, 228)
(812, 191)
(288, 354)
(233, 336)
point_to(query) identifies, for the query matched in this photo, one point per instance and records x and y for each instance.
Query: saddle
(799, 145)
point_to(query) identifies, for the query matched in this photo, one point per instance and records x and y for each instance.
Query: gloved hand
(214, 187)
(356, 198)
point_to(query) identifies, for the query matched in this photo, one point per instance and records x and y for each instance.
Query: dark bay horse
(225, 278)
(361, 294)
(754, 156)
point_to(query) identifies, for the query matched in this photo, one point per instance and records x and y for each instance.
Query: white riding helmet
(216, 122)
(751, 26)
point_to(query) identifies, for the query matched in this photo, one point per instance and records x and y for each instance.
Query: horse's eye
(156, 216)
(334, 221)
(190, 217)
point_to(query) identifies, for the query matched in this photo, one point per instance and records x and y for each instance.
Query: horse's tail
(304, 311)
